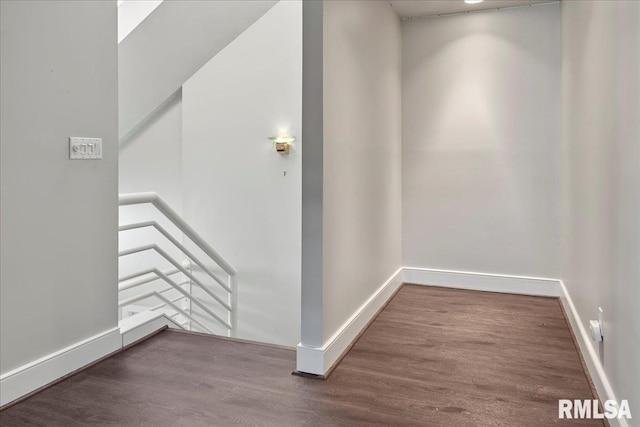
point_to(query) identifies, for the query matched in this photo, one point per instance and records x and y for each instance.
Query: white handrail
(148, 275)
(188, 296)
(141, 280)
(176, 243)
(143, 277)
(178, 221)
(166, 301)
(156, 248)
(159, 306)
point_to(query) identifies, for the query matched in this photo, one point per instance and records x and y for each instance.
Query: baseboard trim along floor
(589, 355)
(315, 362)
(502, 283)
(525, 286)
(28, 379)
(413, 365)
(318, 362)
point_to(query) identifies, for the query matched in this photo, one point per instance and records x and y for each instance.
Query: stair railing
(131, 281)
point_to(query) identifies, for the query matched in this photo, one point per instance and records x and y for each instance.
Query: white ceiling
(414, 8)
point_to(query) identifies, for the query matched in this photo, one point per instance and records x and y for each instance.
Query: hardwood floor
(433, 357)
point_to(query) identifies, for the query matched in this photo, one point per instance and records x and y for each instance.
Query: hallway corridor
(433, 357)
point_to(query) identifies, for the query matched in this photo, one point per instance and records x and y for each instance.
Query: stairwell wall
(170, 45)
(150, 159)
(242, 195)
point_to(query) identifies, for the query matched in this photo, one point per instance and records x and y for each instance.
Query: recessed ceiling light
(473, 1)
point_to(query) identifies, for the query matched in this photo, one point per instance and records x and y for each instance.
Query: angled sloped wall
(170, 45)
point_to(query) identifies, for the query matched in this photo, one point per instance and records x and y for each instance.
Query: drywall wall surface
(312, 173)
(131, 13)
(151, 160)
(601, 165)
(242, 195)
(361, 155)
(481, 142)
(170, 45)
(59, 217)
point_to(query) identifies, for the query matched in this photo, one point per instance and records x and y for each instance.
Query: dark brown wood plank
(433, 356)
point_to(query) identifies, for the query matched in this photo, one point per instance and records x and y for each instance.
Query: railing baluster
(150, 275)
(233, 302)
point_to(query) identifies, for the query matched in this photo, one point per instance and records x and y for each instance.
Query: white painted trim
(468, 12)
(524, 285)
(599, 377)
(315, 360)
(143, 324)
(27, 378)
(318, 360)
(34, 375)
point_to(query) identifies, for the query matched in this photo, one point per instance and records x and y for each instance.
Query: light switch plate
(85, 148)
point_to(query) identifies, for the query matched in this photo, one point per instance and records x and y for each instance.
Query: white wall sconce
(282, 143)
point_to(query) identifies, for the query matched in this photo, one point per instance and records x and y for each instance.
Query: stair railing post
(187, 304)
(233, 302)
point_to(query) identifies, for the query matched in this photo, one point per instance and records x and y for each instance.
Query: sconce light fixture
(282, 143)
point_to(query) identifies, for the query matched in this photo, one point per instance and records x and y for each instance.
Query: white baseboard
(27, 378)
(143, 324)
(314, 360)
(37, 374)
(483, 282)
(319, 360)
(526, 286)
(599, 377)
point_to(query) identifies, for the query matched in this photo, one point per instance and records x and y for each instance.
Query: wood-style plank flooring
(433, 357)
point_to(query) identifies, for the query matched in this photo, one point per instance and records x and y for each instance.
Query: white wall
(170, 45)
(361, 155)
(59, 217)
(601, 138)
(151, 160)
(312, 174)
(236, 192)
(131, 13)
(481, 142)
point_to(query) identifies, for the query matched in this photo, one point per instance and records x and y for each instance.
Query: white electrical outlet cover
(594, 326)
(601, 320)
